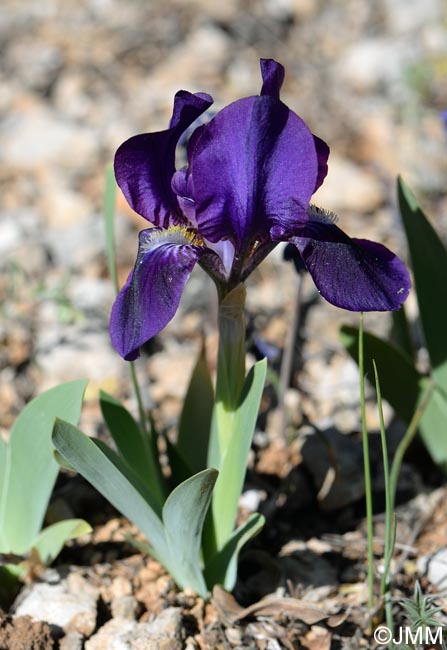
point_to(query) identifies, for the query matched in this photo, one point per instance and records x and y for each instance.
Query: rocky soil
(77, 79)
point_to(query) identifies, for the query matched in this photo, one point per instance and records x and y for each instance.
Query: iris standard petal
(145, 164)
(322, 155)
(248, 166)
(152, 293)
(354, 274)
(272, 77)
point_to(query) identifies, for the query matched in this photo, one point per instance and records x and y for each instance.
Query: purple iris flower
(251, 173)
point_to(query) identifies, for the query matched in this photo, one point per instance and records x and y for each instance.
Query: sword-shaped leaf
(30, 469)
(95, 465)
(183, 517)
(429, 262)
(222, 568)
(135, 446)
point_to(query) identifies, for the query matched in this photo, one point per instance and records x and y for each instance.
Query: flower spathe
(251, 173)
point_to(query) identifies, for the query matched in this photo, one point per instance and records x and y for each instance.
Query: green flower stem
(406, 440)
(367, 472)
(229, 384)
(136, 389)
(384, 585)
(390, 522)
(230, 370)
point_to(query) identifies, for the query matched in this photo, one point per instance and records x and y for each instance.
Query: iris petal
(354, 274)
(322, 155)
(152, 293)
(145, 164)
(248, 166)
(272, 77)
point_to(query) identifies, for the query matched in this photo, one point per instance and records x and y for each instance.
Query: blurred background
(77, 77)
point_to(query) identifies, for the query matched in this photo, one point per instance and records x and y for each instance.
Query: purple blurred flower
(251, 173)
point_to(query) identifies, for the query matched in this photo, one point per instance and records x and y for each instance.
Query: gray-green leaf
(30, 469)
(99, 470)
(134, 445)
(52, 538)
(232, 471)
(183, 516)
(222, 568)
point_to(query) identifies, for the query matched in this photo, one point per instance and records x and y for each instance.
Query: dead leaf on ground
(276, 606)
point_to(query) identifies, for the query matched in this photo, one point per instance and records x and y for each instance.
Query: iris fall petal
(354, 274)
(151, 295)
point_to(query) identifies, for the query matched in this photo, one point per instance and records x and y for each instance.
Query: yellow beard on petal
(172, 235)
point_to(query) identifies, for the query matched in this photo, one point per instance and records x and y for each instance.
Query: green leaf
(99, 470)
(232, 471)
(433, 426)
(399, 380)
(109, 214)
(51, 540)
(3, 459)
(131, 476)
(133, 444)
(183, 516)
(195, 420)
(429, 262)
(222, 569)
(403, 387)
(180, 470)
(400, 333)
(31, 469)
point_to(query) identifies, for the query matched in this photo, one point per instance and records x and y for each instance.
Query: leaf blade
(128, 437)
(399, 378)
(429, 262)
(232, 471)
(222, 568)
(433, 426)
(51, 539)
(403, 387)
(183, 517)
(196, 416)
(31, 469)
(99, 470)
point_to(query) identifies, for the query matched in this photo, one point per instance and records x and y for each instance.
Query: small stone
(74, 640)
(251, 499)
(114, 635)
(120, 587)
(163, 633)
(69, 606)
(435, 568)
(125, 606)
